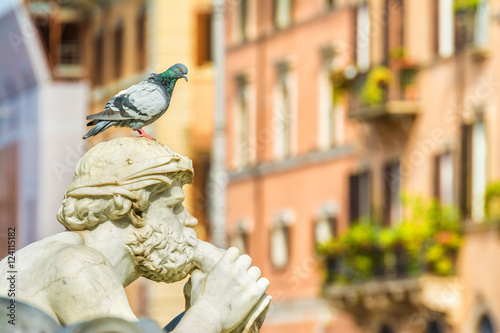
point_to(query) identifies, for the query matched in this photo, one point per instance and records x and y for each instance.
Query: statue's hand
(230, 290)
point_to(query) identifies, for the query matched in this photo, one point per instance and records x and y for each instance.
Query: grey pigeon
(139, 105)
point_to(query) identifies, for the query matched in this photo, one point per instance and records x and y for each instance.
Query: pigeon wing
(141, 101)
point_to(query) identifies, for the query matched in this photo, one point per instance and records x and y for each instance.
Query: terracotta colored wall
(8, 193)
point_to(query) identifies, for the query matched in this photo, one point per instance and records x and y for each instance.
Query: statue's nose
(190, 220)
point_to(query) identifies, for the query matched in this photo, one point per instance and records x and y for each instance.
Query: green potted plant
(374, 90)
(465, 6)
(492, 201)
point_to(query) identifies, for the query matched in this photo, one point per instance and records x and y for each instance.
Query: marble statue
(125, 219)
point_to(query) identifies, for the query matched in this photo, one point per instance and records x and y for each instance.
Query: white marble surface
(125, 219)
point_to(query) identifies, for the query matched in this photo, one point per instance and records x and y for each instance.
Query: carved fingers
(244, 261)
(254, 273)
(233, 287)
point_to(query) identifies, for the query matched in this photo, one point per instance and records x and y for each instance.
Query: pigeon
(139, 105)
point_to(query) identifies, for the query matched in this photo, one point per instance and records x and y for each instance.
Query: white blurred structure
(41, 125)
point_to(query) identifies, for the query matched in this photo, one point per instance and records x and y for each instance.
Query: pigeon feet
(144, 135)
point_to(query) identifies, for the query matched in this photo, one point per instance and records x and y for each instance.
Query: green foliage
(492, 201)
(373, 92)
(427, 239)
(340, 84)
(465, 5)
(398, 53)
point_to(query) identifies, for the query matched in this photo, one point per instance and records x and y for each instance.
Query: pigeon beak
(185, 78)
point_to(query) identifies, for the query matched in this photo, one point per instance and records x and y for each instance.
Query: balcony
(437, 294)
(385, 92)
(372, 269)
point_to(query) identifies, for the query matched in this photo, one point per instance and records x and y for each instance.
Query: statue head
(138, 182)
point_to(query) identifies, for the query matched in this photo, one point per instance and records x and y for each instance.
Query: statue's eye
(178, 208)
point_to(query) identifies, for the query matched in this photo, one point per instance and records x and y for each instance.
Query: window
(282, 13)
(482, 22)
(443, 42)
(472, 25)
(283, 117)
(118, 48)
(363, 37)
(479, 170)
(280, 239)
(98, 66)
(331, 114)
(141, 41)
(242, 123)
(325, 227)
(443, 178)
(434, 326)
(485, 325)
(243, 20)
(330, 3)
(359, 196)
(70, 52)
(240, 237)
(204, 38)
(465, 169)
(473, 170)
(394, 28)
(386, 329)
(392, 195)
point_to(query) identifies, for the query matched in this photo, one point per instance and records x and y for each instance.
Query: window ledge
(291, 163)
(471, 226)
(479, 52)
(390, 108)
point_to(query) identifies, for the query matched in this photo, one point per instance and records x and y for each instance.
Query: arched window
(434, 326)
(240, 235)
(118, 48)
(485, 325)
(280, 238)
(386, 329)
(326, 222)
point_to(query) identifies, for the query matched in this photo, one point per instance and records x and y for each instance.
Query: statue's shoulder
(80, 256)
(65, 253)
(77, 269)
(42, 251)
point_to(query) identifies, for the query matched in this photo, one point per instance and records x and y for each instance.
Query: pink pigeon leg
(143, 134)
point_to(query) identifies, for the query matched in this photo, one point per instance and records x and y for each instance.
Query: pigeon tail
(101, 126)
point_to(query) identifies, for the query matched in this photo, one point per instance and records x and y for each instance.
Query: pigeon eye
(180, 70)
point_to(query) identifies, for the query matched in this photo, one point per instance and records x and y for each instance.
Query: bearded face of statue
(163, 249)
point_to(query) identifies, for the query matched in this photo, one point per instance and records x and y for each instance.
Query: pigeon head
(175, 72)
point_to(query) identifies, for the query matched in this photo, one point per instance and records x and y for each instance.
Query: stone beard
(162, 253)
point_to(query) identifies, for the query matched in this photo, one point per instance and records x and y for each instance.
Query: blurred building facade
(102, 47)
(37, 110)
(289, 148)
(335, 110)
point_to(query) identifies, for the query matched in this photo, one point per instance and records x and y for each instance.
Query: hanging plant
(342, 81)
(492, 201)
(374, 90)
(463, 6)
(427, 239)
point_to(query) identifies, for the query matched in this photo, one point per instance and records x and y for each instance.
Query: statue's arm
(84, 285)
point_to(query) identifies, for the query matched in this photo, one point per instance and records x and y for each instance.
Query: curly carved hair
(86, 213)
